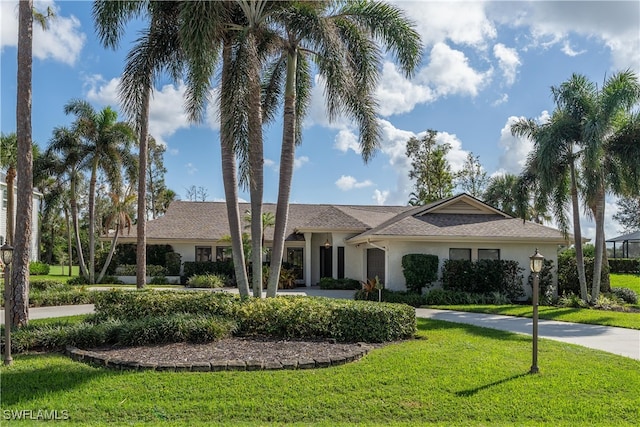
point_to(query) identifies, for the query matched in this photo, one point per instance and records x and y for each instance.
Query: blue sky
(485, 64)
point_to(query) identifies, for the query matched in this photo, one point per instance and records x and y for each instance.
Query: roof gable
(462, 204)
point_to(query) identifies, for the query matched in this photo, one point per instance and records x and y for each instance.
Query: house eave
(356, 240)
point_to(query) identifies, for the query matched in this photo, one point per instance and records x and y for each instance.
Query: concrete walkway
(621, 341)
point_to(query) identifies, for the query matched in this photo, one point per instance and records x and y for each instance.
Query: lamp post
(536, 262)
(6, 251)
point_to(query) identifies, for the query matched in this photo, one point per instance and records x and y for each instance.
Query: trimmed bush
(341, 284)
(401, 297)
(56, 297)
(193, 268)
(159, 280)
(172, 263)
(545, 282)
(131, 270)
(624, 265)
(484, 277)
(568, 275)
(45, 285)
(419, 270)
(625, 294)
(206, 281)
(37, 268)
(452, 297)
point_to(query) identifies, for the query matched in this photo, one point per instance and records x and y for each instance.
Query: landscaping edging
(92, 358)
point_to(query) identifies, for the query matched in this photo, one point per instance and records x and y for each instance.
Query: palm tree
(68, 160)
(328, 35)
(553, 163)
(618, 95)
(118, 219)
(106, 143)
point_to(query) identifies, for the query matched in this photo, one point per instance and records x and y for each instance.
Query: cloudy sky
(485, 64)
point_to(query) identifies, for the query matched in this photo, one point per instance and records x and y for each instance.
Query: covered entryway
(326, 261)
(375, 264)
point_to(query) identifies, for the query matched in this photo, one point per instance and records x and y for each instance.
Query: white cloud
(508, 60)
(268, 163)
(456, 156)
(380, 196)
(502, 100)
(460, 22)
(346, 183)
(396, 94)
(300, 161)
(449, 73)
(62, 41)
(167, 114)
(191, 169)
(516, 149)
(568, 50)
(346, 140)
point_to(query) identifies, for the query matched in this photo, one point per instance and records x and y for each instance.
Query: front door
(375, 264)
(326, 261)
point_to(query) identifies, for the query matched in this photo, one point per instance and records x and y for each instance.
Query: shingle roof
(208, 221)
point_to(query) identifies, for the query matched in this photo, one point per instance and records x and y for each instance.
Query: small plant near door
(372, 285)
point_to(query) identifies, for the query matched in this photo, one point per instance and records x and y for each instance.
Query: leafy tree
(8, 160)
(628, 214)
(196, 194)
(501, 193)
(429, 168)
(472, 179)
(157, 190)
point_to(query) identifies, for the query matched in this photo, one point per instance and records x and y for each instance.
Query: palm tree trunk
(577, 235)
(256, 161)
(112, 250)
(287, 156)
(599, 244)
(10, 180)
(22, 242)
(141, 247)
(605, 284)
(69, 250)
(76, 228)
(92, 219)
(230, 181)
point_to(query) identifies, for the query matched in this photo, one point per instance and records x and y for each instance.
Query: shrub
(37, 268)
(484, 277)
(192, 268)
(624, 265)
(419, 270)
(206, 281)
(452, 297)
(131, 270)
(568, 275)
(410, 298)
(545, 283)
(78, 281)
(172, 263)
(342, 284)
(45, 285)
(625, 294)
(372, 322)
(56, 297)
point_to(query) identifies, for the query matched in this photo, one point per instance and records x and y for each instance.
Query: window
(223, 253)
(340, 262)
(489, 254)
(295, 259)
(459, 253)
(203, 253)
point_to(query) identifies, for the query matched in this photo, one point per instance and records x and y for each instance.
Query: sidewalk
(621, 341)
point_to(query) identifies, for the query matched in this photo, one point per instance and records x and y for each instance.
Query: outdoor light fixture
(327, 243)
(536, 263)
(6, 252)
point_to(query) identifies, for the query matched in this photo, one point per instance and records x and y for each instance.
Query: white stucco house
(35, 219)
(361, 242)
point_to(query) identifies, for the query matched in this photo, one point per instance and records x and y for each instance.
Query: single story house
(361, 242)
(34, 252)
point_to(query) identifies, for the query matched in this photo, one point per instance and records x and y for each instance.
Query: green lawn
(453, 375)
(631, 281)
(577, 315)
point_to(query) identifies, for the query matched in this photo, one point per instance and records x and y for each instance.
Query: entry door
(375, 264)
(326, 260)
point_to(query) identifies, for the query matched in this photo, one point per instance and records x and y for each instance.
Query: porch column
(307, 259)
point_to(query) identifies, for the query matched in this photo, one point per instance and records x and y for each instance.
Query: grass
(631, 281)
(453, 375)
(567, 314)
(564, 314)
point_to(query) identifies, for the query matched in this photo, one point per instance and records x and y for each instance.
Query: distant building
(35, 218)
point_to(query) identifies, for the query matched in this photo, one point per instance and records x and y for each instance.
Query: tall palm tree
(67, 160)
(118, 219)
(156, 49)
(553, 163)
(345, 40)
(107, 144)
(614, 100)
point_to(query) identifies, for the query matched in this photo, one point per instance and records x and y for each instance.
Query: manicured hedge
(624, 265)
(452, 297)
(193, 268)
(285, 316)
(131, 270)
(419, 270)
(341, 284)
(37, 268)
(484, 277)
(400, 297)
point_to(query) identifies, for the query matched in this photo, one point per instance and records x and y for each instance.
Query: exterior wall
(519, 252)
(34, 253)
